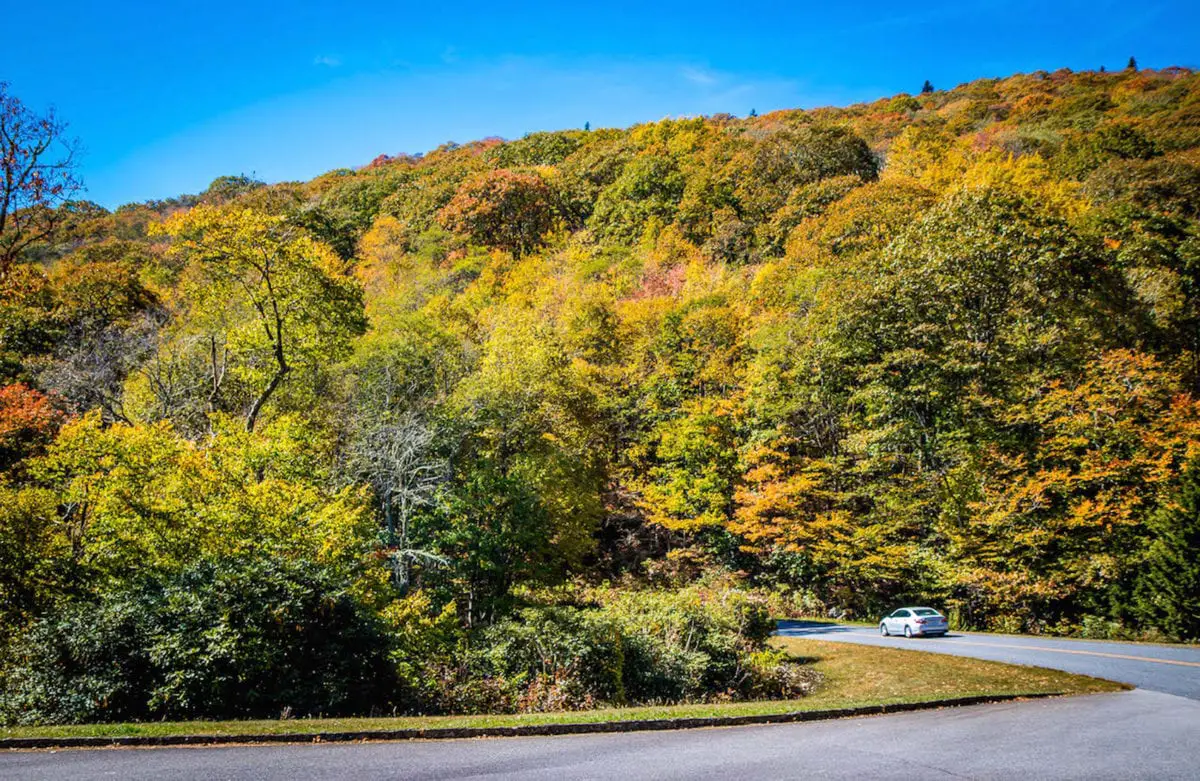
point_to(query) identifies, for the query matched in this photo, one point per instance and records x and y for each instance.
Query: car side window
(900, 614)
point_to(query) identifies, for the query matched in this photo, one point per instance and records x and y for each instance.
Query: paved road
(1160, 668)
(1136, 734)
(1151, 732)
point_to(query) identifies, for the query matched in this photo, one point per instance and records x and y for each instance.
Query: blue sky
(164, 100)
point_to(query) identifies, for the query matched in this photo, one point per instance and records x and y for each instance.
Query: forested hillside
(941, 348)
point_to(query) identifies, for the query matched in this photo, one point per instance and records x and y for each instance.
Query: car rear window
(924, 611)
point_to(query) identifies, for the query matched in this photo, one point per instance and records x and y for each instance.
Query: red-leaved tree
(37, 175)
(28, 420)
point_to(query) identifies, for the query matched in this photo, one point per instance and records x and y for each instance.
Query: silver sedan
(914, 622)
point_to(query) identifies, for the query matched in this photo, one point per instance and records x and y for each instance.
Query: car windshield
(924, 611)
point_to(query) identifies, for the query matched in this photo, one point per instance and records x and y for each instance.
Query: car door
(899, 619)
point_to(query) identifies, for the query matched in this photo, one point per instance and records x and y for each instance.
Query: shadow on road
(801, 628)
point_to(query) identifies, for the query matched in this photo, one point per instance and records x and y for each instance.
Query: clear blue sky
(167, 96)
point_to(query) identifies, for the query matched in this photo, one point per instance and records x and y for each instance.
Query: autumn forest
(567, 420)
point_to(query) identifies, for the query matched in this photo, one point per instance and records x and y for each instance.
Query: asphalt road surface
(1136, 734)
(1151, 732)
(1161, 668)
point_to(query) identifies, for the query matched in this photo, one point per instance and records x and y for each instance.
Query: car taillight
(920, 620)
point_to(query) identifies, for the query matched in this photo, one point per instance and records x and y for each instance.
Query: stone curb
(446, 733)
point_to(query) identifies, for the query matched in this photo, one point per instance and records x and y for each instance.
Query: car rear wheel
(908, 632)
(883, 630)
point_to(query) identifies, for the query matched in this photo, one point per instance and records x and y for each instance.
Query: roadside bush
(1092, 627)
(787, 602)
(225, 639)
(688, 644)
(700, 643)
(254, 639)
(85, 663)
(427, 644)
(554, 658)
(774, 675)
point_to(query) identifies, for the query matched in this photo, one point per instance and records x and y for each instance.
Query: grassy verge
(854, 676)
(863, 674)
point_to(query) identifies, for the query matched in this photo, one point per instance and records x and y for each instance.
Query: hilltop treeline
(941, 348)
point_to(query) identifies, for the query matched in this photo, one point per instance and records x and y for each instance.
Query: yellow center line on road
(1082, 653)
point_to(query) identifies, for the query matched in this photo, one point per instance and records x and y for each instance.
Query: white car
(914, 621)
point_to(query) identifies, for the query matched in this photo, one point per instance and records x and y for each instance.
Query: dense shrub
(688, 644)
(425, 645)
(256, 639)
(219, 640)
(88, 663)
(554, 657)
(636, 647)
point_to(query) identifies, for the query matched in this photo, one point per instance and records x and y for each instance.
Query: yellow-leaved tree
(1056, 525)
(141, 497)
(260, 301)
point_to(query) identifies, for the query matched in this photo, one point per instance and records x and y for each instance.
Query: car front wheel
(908, 632)
(883, 630)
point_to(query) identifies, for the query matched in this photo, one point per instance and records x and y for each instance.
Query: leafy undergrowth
(852, 676)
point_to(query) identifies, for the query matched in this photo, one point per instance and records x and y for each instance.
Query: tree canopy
(941, 347)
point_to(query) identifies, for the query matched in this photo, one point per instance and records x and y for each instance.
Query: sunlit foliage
(941, 347)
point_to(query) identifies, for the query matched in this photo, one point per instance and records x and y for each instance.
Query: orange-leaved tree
(508, 210)
(28, 420)
(1061, 524)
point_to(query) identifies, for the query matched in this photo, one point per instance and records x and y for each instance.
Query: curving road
(1152, 732)
(1171, 669)
(1136, 734)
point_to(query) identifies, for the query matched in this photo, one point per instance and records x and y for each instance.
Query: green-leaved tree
(1168, 594)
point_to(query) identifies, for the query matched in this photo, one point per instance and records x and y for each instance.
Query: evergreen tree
(753, 113)
(1132, 66)
(927, 87)
(1168, 592)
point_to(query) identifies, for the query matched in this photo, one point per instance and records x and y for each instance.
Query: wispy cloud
(698, 76)
(327, 61)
